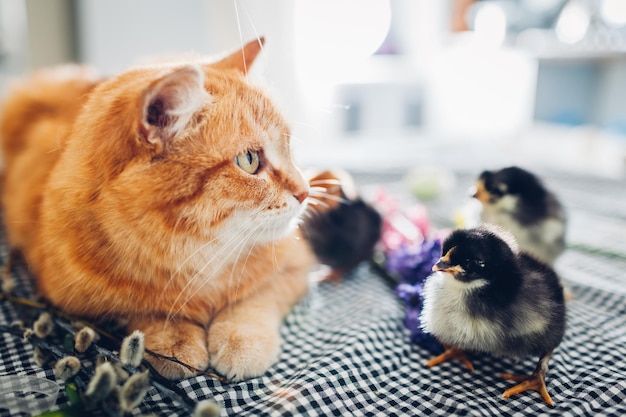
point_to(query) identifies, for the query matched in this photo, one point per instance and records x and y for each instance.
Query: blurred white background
(380, 84)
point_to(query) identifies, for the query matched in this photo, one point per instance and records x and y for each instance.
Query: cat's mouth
(278, 225)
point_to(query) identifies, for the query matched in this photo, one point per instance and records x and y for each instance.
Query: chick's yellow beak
(440, 266)
(480, 193)
(444, 264)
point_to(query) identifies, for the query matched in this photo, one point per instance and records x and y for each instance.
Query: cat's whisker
(315, 202)
(256, 33)
(273, 252)
(327, 110)
(244, 243)
(245, 65)
(225, 248)
(313, 128)
(323, 191)
(326, 182)
(333, 107)
(179, 268)
(317, 189)
(53, 150)
(235, 238)
(305, 124)
(234, 295)
(313, 213)
(293, 137)
(274, 257)
(193, 254)
(200, 248)
(312, 203)
(339, 106)
(290, 135)
(327, 196)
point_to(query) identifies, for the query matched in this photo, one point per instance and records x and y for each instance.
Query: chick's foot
(449, 354)
(535, 382)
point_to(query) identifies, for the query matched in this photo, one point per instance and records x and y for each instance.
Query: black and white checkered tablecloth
(346, 352)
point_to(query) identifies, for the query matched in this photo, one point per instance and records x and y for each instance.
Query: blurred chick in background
(517, 200)
(485, 295)
(340, 226)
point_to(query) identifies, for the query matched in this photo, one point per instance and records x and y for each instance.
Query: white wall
(13, 39)
(50, 32)
(114, 34)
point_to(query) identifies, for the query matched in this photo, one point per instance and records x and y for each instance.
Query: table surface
(346, 352)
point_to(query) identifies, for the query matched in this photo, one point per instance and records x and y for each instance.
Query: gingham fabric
(345, 350)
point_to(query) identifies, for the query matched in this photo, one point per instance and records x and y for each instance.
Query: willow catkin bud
(84, 338)
(41, 357)
(102, 383)
(132, 350)
(207, 408)
(43, 325)
(134, 391)
(8, 285)
(67, 367)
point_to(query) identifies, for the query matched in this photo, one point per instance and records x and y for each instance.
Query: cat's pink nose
(301, 196)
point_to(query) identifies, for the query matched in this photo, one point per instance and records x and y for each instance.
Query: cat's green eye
(248, 161)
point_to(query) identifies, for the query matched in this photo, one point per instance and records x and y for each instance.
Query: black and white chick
(485, 295)
(517, 200)
(340, 226)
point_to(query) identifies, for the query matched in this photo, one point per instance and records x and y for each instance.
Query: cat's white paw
(242, 351)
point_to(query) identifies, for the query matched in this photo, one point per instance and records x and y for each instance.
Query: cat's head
(195, 148)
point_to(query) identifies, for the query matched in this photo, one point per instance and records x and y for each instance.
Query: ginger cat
(166, 197)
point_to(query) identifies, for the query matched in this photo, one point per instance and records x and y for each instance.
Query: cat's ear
(168, 104)
(243, 58)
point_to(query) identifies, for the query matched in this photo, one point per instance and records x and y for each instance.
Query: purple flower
(410, 293)
(414, 264)
(413, 324)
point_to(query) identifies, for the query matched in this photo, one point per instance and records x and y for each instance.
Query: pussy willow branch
(163, 385)
(40, 306)
(54, 350)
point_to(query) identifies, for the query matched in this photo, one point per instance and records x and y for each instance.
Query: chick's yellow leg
(449, 354)
(536, 381)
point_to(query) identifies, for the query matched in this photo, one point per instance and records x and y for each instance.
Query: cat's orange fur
(125, 198)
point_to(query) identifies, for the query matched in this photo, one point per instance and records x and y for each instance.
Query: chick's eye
(474, 263)
(248, 161)
(499, 189)
(496, 192)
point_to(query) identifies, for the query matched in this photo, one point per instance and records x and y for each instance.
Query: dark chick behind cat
(341, 227)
